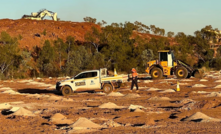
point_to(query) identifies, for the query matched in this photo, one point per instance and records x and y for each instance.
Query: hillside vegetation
(48, 48)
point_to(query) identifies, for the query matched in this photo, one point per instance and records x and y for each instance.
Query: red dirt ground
(165, 116)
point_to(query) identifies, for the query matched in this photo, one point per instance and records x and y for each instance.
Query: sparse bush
(44, 32)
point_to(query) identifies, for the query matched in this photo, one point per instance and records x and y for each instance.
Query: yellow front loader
(168, 65)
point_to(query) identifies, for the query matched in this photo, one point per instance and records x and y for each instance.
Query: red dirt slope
(28, 29)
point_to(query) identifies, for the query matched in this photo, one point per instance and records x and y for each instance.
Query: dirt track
(154, 109)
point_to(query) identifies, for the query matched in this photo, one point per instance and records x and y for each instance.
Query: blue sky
(173, 15)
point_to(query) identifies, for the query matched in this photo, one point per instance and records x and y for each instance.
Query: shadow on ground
(39, 91)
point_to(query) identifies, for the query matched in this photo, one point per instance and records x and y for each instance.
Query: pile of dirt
(11, 92)
(200, 117)
(111, 123)
(183, 101)
(67, 100)
(159, 99)
(60, 119)
(147, 81)
(218, 81)
(21, 112)
(16, 102)
(24, 81)
(153, 89)
(198, 85)
(5, 88)
(218, 86)
(186, 80)
(214, 94)
(200, 92)
(111, 105)
(203, 80)
(5, 106)
(115, 94)
(84, 123)
(133, 107)
(168, 91)
(132, 96)
(138, 110)
(54, 98)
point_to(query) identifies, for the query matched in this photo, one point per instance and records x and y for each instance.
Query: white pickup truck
(91, 80)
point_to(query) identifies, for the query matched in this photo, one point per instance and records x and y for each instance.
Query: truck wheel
(66, 90)
(181, 73)
(107, 88)
(156, 73)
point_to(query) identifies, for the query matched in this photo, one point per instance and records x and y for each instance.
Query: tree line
(111, 46)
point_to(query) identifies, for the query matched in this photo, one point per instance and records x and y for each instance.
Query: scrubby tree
(140, 27)
(60, 50)
(79, 60)
(46, 60)
(9, 55)
(170, 34)
(90, 19)
(102, 23)
(93, 37)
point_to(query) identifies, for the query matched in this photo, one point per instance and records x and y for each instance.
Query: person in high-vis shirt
(134, 79)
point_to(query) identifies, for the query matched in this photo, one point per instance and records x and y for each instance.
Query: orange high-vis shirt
(134, 74)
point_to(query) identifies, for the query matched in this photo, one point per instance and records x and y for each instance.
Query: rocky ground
(33, 106)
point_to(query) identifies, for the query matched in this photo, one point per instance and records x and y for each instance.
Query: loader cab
(166, 57)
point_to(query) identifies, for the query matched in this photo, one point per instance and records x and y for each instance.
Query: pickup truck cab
(90, 80)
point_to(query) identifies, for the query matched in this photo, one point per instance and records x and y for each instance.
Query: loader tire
(181, 73)
(66, 90)
(107, 88)
(156, 73)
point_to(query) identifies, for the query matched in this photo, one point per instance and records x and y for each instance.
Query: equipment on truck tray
(168, 65)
